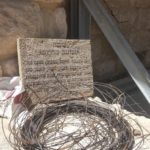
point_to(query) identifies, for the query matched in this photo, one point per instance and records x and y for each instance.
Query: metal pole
(120, 45)
(74, 19)
(84, 21)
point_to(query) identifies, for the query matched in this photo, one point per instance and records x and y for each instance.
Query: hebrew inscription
(56, 69)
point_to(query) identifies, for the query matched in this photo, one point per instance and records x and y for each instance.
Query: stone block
(117, 3)
(55, 24)
(18, 19)
(54, 18)
(133, 19)
(50, 4)
(56, 69)
(28, 19)
(142, 3)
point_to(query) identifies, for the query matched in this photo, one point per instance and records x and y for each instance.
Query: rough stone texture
(51, 4)
(133, 18)
(54, 18)
(54, 25)
(146, 56)
(106, 65)
(10, 67)
(29, 18)
(17, 19)
(55, 69)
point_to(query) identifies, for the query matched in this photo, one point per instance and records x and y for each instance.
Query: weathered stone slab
(56, 69)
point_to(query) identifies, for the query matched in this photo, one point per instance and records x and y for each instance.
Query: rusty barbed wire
(79, 124)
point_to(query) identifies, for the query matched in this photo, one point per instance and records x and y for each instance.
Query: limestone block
(143, 21)
(50, 4)
(105, 61)
(51, 1)
(142, 3)
(117, 3)
(61, 25)
(133, 19)
(58, 66)
(54, 20)
(34, 19)
(10, 67)
(17, 19)
(140, 41)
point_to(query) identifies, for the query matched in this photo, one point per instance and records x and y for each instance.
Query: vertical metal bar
(120, 45)
(84, 21)
(74, 19)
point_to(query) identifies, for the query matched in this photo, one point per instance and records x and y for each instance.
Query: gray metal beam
(74, 10)
(120, 45)
(84, 21)
(135, 102)
(80, 19)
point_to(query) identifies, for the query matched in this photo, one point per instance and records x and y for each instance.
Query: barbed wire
(77, 124)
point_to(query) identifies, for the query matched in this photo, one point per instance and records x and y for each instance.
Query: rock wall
(47, 19)
(27, 18)
(54, 18)
(133, 18)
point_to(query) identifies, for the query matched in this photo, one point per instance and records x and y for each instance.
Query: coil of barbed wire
(79, 124)
(71, 125)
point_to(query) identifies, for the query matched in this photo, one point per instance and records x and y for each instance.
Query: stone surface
(54, 18)
(133, 18)
(56, 69)
(36, 18)
(50, 4)
(146, 58)
(10, 67)
(106, 65)
(17, 19)
(55, 25)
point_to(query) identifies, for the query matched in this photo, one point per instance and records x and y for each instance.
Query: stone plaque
(55, 70)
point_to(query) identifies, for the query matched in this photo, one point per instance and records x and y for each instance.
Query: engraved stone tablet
(55, 70)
